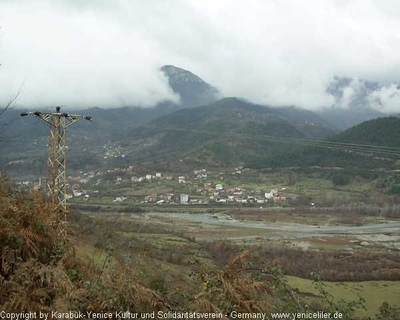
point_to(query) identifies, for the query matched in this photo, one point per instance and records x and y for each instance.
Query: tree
(340, 179)
(12, 100)
(8, 106)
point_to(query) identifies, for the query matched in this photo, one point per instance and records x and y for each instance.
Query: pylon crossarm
(71, 120)
(40, 115)
(45, 116)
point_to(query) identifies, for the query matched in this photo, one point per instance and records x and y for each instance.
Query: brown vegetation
(331, 266)
(39, 272)
(232, 288)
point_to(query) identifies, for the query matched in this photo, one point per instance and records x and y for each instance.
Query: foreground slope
(39, 271)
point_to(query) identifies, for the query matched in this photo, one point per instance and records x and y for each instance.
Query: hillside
(39, 271)
(229, 132)
(369, 145)
(226, 133)
(345, 118)
(23, 140)
(380, 132)
(316, 126)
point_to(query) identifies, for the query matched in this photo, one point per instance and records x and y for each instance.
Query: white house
(119, 199)
(184, 198)
(182, 179)
(270, 195)
(76, 193)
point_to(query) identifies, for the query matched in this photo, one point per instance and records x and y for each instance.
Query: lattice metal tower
(56, 175)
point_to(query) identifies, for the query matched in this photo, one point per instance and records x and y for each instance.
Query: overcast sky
(108, 53)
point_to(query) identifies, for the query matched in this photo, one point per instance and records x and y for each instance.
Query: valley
(351, 252)
(212, 204)
(256, 226)
(200, 160)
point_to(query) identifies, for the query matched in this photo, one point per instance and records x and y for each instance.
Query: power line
(342, 146)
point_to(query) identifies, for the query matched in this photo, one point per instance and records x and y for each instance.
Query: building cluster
(216, 193)
(111, 151)
(198, 187)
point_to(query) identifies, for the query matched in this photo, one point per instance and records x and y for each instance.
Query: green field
(374, 292)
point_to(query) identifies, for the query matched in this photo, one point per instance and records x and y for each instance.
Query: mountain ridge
(192, 90)
(195, 118)
(228, 132)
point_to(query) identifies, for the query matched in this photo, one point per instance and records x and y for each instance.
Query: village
(198, 187)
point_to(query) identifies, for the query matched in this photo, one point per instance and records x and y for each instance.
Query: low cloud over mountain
(98, 53)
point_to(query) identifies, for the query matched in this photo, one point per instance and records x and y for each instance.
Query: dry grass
(38, 271)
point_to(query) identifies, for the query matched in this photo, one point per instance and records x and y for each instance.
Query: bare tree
(9, 106)
(12, 100)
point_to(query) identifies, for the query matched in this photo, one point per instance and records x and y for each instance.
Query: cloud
(86, 53)
(386, 99)
(350, 94)
(79, 57)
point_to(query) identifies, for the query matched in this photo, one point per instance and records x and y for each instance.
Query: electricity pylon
(56, 175)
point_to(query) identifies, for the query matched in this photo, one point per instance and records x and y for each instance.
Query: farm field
(375, 293)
